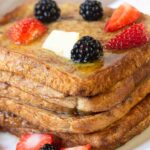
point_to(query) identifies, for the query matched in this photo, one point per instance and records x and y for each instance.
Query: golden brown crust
(46, 68)
(110, 138)
(79, 124)
(118, 133)
(9, 91)
(33, 93)
(115, 95)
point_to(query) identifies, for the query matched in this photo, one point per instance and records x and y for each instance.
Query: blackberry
(48, 147)
(46, 11)
(87, 49)
(91, 10)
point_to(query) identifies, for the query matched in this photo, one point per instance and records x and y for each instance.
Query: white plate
(140, 142)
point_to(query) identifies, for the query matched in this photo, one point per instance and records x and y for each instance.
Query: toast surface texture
(18, 87)
(76, 124)
(110, 138)
(45, 67)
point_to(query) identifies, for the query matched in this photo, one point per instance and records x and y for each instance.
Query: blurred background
(142, 5)
(7, 5)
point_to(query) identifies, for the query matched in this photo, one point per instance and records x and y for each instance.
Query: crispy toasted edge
(64, 123)
(88, 102)
(110, 138)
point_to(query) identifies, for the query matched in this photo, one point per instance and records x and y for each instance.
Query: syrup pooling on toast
(34, 49)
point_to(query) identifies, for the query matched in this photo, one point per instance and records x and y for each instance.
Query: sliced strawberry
(124, 15)
(86, 147)
(34, 141)
(134, 36)
(26, 30)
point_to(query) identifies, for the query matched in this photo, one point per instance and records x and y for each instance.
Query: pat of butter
(61, 42)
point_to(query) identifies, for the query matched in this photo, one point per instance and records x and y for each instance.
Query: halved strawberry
(134, 36)
(85, 147)
(34, 141)
(26, 30)
(124, 15)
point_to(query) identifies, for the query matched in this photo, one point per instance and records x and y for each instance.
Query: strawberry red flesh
(134, 36)
(26, 30)
(123, 16)
(34, 141)
(85, 147)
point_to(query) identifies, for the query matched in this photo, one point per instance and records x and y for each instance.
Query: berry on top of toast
(134, 36)
(46, 11)
(26, 30)
(122, 16)
(91, 10)
(87, 49)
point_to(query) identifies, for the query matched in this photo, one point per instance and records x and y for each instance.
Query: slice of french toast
(33, 93)
(110, 138)
(45, 67)
(75, 124)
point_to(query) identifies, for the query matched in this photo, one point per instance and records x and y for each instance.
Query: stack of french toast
(103, 103)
